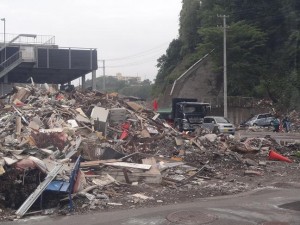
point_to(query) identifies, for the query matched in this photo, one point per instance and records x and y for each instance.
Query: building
(28, 57)
(136, 79)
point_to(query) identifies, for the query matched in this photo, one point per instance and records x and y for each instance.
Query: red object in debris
(155, 105)
(89, 172)
(59, 97)
(277, 156)
(125, 126)
(20, 104)
(124, 135)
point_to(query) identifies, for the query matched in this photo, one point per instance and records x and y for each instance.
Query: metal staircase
(14, 60)
(11, 63)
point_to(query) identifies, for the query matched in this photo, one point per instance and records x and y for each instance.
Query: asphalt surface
(261, 206)
(280, 136)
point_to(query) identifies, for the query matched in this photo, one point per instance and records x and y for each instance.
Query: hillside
(262, 50)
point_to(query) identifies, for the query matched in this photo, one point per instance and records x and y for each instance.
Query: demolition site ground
(129, 158)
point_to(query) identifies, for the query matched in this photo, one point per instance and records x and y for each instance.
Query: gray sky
(129, 34)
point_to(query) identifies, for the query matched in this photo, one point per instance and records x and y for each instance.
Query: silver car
(218, 124)
(264, 119)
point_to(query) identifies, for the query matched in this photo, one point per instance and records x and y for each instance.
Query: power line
(139, 54)
(136, 63)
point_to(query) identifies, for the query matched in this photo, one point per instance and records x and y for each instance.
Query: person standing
(276, 124)
(286, 124)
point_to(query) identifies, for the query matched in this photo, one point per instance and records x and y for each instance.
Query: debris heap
(92, 150)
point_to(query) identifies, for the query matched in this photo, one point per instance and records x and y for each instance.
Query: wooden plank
(133, 175)
(18, 125)
(136, 107)
(96, 163)
(129, 165)
(22, 94)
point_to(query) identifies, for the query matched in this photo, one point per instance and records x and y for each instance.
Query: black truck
(186, 113)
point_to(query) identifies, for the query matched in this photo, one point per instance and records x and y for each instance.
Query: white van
(218, 124)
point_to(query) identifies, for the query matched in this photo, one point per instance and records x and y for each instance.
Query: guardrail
(40, 39)
(232, 101)
(15, 57)
(10, 63)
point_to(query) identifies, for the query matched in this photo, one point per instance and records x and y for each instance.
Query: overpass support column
(5, 79)
(83, 82)
(94, 80)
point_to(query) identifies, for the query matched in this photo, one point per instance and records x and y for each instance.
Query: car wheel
(216, 130)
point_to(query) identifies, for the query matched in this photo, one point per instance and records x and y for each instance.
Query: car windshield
(221, 120)
(252, 118)
(194, 109)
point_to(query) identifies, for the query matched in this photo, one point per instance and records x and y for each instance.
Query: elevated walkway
(43, 61)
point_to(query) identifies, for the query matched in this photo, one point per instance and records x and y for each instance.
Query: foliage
(112, 84)
(141, 91)
(263, 53)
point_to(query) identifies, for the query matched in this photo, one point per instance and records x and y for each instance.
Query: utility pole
(4, 21)
(224, 64)
(103, 75)
(103, 67)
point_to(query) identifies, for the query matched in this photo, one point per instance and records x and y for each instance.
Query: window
(207, 120)
(261, 116)
(221, 120)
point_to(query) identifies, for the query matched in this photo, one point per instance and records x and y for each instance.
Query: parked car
(218, 124)
(264, 119)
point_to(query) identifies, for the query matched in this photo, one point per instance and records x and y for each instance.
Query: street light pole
(104, 75)
(3, 19)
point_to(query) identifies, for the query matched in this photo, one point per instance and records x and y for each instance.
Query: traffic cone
(277, 156)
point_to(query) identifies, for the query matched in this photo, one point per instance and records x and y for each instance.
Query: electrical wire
(136, 63)
(143, 53)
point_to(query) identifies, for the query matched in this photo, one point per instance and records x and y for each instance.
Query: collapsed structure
(88, 150)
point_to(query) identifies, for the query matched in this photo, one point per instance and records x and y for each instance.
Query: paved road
(288, 137)
(256, 207)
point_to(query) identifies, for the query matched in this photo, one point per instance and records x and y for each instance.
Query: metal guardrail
(11, 60)
(69, 48)
(189, 70)
(40, 39)
(10, 63)
(232, 101)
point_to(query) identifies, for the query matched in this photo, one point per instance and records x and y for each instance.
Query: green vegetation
(128, 88)
(263, 51)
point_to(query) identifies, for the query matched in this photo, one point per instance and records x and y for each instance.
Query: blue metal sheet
(65, 187)
(54, 185)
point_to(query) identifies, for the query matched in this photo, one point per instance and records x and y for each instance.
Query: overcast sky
(130, 35)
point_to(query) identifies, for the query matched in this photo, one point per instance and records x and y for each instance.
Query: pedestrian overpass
(27, 57)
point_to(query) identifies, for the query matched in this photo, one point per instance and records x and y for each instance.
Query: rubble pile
(295, 121)
(91, 150)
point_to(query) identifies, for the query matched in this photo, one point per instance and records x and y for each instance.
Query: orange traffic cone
(277, 156)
